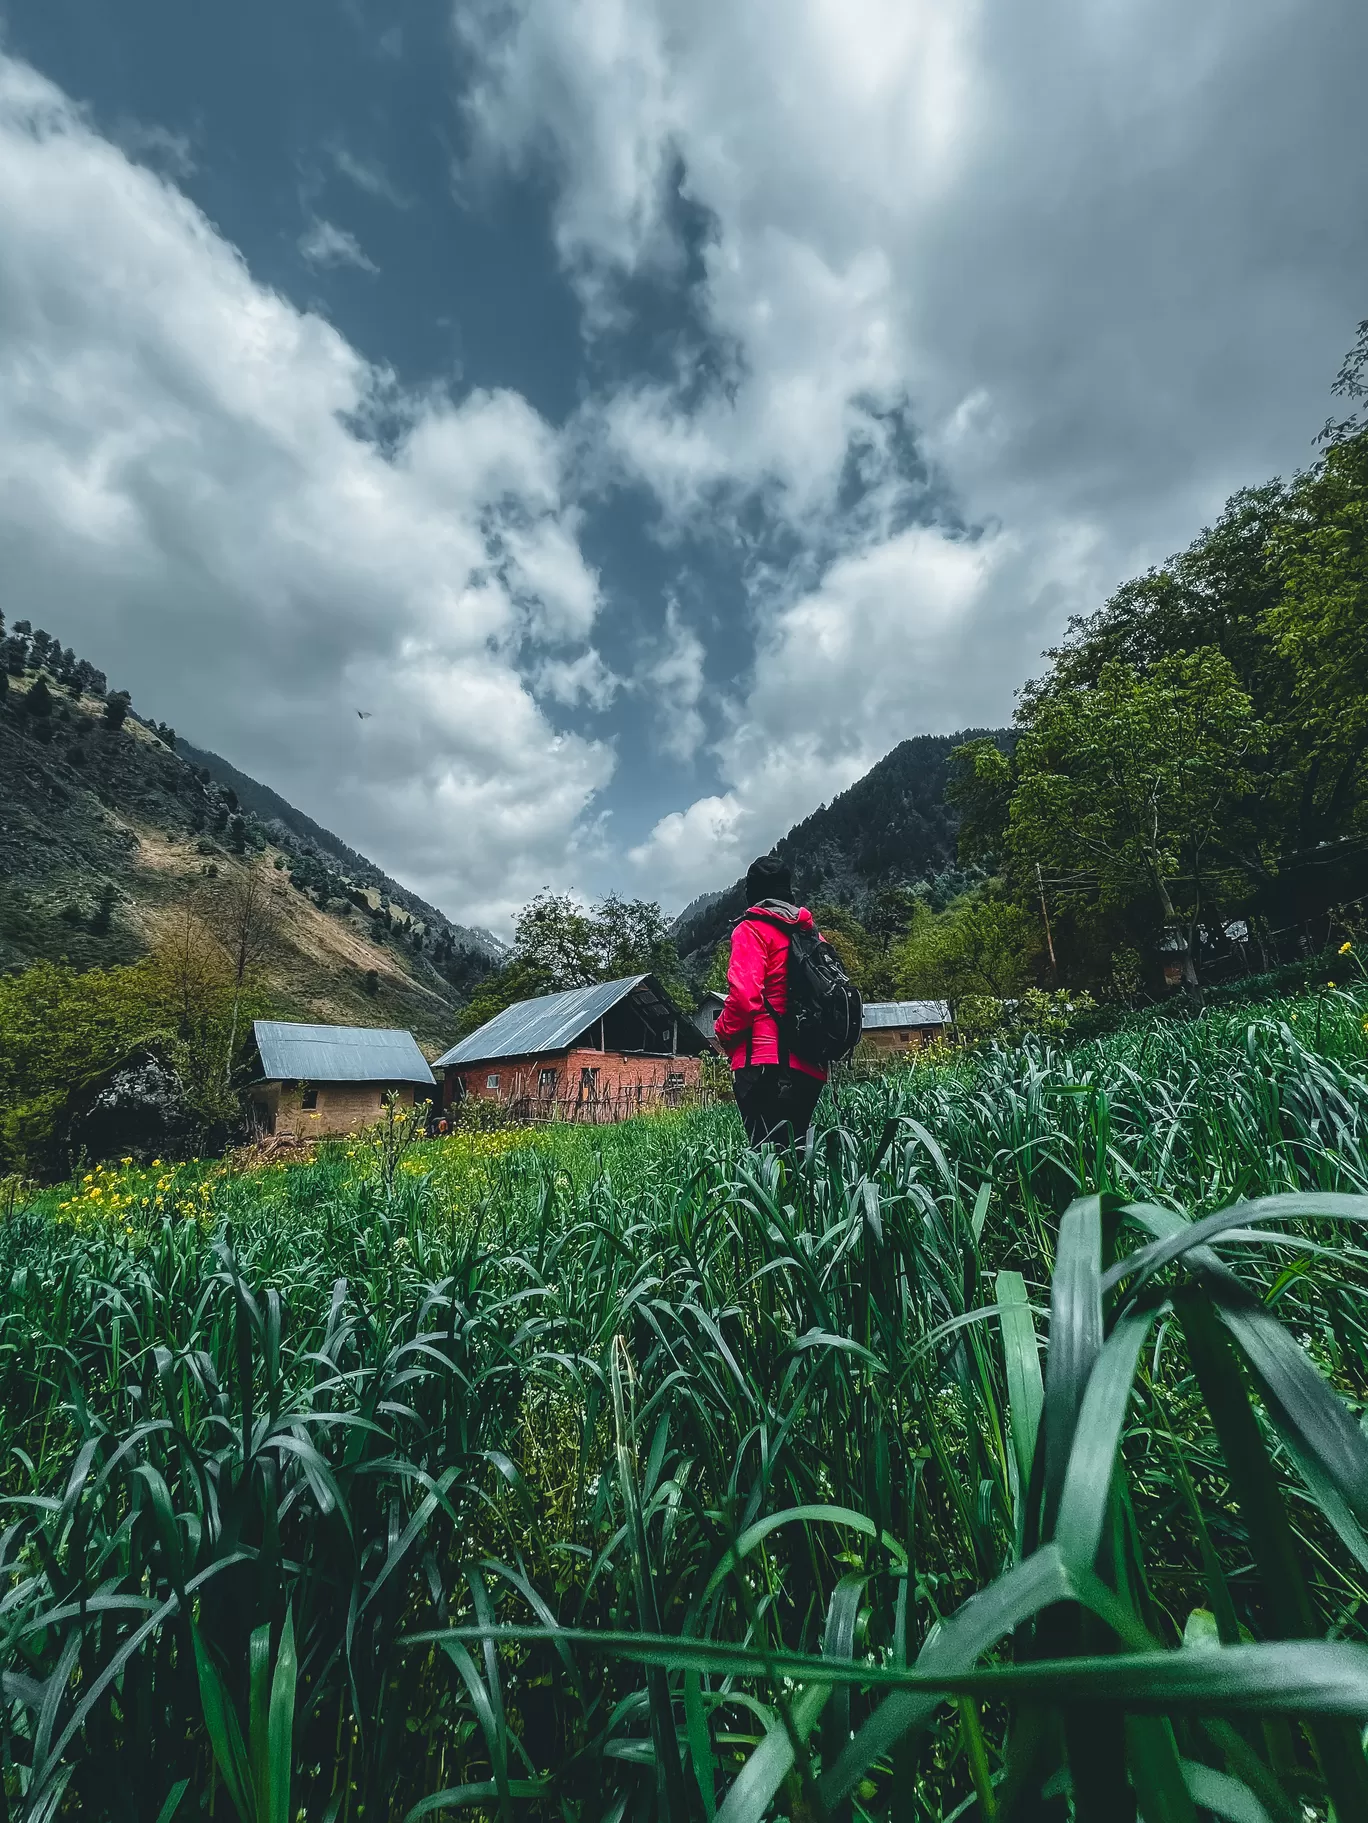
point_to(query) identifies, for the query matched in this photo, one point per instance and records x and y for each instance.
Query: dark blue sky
(572, 440)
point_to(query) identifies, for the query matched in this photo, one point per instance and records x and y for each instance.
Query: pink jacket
(757, 973)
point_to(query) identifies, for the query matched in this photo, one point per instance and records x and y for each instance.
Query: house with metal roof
(330, 1079)
(596, 1053)
(899, 1025)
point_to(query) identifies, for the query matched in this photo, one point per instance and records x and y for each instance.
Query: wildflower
(1329, 984)
(1345, 948)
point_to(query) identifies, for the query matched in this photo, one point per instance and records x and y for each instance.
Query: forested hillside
(301, 835)
(894, 828)
(111, 830)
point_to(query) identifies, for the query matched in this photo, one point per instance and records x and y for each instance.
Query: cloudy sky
(564, 441)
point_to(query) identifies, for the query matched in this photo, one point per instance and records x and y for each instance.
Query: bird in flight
(364, 714)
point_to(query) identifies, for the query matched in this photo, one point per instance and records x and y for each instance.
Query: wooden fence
(585, 1107)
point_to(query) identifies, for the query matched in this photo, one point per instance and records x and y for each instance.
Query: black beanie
(768, 878)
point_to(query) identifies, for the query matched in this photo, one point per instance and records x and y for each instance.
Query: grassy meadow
(999, 1457)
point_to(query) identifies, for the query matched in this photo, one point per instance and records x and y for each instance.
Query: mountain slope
(108, 837)
(893, 827)
(282, 820)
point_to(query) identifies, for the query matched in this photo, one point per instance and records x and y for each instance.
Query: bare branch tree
(244, 917)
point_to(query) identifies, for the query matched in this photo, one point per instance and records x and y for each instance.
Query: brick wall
(618, 1085)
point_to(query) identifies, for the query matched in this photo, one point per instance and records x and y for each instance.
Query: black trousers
(776, 1104)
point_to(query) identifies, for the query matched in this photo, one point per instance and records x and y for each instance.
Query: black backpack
(824, 1015)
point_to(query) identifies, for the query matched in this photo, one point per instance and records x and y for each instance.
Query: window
(492, 1081)
(546, 1082)
(309, 1099)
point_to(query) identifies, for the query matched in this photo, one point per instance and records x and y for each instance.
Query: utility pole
(1045, 914)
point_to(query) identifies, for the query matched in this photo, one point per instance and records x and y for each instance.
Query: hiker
(790, 1009)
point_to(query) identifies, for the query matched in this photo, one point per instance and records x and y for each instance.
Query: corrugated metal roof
(551, 1022)
(880, 1014)
(338, 1053)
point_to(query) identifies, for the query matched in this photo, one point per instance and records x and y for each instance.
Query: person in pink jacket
(776, 1096)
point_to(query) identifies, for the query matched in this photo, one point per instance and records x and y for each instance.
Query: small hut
(705, 1015)
(330, 1079)
(903, 1025)
(591, 1054)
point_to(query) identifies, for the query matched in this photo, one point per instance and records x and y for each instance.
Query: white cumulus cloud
(999, 301)
(189, 498)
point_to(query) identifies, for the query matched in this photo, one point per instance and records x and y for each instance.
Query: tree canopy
(559, 944)
(1198, 747)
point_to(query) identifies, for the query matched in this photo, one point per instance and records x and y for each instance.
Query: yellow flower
(1345, 948)
(1329, 984)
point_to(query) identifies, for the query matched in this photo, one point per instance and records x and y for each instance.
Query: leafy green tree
(1137, 788)
(558, 945)
(981, 945)
(60, 1026)
(858, 951)
(556, 942)
(887, 913)
(633, 938)
(982, 779)
(715, 981)
(38, 702)
(1319, 628)
(116, 709)
(517, 980)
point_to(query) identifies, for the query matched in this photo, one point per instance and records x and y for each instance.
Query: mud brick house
(318, 1080)
(902, 1025)
(596, 1054)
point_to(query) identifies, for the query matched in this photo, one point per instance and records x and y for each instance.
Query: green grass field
(957, 1468)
